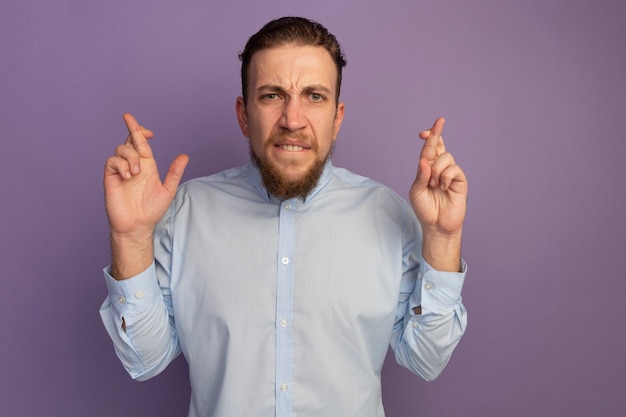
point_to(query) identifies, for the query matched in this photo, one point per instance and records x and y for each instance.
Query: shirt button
(288, 206)
(415, 325)
(428, 286)
(139, 294)
(121, 299)
(283, 323)
(283, 388)
(285, 261)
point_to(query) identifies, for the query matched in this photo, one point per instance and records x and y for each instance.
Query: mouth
(292, 143)
(291, 148)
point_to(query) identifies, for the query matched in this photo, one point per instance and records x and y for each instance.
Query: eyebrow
(277, 88)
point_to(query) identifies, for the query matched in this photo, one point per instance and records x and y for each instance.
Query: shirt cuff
(436, 289)
(134, 294)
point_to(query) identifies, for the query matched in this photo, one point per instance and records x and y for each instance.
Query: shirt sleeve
(423, 343)
(149, 342)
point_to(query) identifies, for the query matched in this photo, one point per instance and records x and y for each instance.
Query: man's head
(290, 111)
(295, 30)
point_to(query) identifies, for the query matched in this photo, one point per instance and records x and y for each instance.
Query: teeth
(291, 148)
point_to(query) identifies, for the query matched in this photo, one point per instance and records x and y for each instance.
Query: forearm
(442, 251)
(148, 342)
(131, 254)
(424, 341)
(426, 344)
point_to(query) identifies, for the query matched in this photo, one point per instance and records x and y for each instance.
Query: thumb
(175, 173)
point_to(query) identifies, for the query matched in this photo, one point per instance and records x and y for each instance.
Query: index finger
(136, 136)
(434, 145)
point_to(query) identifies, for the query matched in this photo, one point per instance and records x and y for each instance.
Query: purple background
(534, 93)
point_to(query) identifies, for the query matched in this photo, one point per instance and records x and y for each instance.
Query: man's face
(291, 116)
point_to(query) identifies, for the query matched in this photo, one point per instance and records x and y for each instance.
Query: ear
(338, 119)
(242, 116)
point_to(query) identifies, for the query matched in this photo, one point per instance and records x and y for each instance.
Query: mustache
(294, 136)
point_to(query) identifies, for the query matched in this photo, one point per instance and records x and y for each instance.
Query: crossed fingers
(127, 156)
(443, 167)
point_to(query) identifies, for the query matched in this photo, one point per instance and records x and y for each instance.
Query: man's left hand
(439, 198)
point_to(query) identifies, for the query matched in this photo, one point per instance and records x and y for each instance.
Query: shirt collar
(255, 178)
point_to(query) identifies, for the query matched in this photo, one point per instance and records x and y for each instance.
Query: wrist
(131, 254)
(134, 238)
(442, 251)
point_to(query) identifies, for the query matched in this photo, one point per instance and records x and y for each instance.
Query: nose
(292, 117)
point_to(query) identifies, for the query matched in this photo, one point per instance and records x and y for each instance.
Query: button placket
(284, 300)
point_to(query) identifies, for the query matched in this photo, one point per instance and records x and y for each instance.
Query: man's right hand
(135, 199)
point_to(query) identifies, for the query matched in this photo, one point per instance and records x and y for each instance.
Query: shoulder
(345, 179)
(233, 177)
(381, 205)
(213, 190)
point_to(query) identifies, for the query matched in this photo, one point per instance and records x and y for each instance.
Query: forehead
(292, 65)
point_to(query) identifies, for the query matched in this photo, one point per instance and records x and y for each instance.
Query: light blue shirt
(286, 308)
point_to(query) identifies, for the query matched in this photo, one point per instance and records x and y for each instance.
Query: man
(284, 282)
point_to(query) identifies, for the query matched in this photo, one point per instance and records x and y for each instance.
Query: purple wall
(535, 96)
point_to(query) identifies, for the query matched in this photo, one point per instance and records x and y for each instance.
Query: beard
(283, 188)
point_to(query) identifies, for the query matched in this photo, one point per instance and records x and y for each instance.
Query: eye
(270, 96)
(316, 97)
